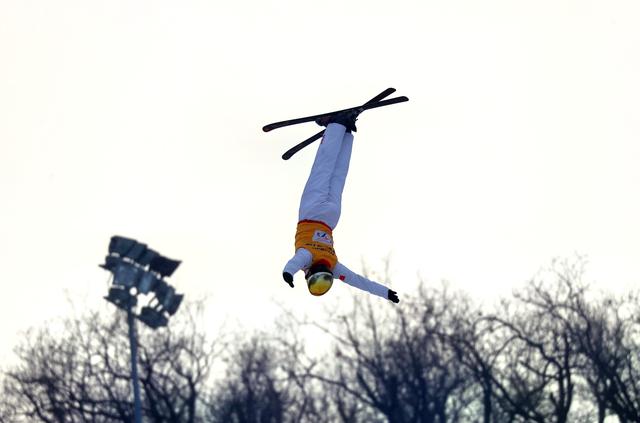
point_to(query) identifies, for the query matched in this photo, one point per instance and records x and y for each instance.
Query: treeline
(553, 351)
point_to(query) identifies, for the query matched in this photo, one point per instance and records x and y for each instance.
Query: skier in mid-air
(320, 211)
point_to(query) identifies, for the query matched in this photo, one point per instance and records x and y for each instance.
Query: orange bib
(317, 238)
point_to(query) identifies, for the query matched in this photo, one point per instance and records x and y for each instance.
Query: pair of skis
(377, 101)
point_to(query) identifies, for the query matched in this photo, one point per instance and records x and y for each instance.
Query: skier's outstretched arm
(351, 278)
(301, 260)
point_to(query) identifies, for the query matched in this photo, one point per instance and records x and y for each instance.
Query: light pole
(137, 401)
(138, 270)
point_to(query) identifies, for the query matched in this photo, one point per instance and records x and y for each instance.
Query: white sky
(143, 119)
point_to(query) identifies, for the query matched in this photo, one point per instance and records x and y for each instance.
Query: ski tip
(387, 92)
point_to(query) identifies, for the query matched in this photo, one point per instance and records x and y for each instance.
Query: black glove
(288, 278)
(393, 296)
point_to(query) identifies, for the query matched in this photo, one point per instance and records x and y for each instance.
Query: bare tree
(535, 381)
(82, 375)
(563, 348)
(174, 370)
(539, 363)
(554, 352)
(259, 386)
(397, 366)
(479, 348)
(604, 331)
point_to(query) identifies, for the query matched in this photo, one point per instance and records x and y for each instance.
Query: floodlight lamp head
(121, 298)
(147, 257)
(147, 282)
(121, 245)
(173, 304)
(163, 265)
(111, 263)
(136, 251)
(161, 288)
(152, 318)
(167, 297)
(164, 293)
(127, 274)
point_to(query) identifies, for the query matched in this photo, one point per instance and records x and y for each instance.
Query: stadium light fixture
(136, 251)
(147, 282)
(152, 317)
(164, 266)
(174, 304)
(138, 270)
(121, 298)
(147, 257)
(120, 245)
(134, 265)
(127, 274)
(110, 263)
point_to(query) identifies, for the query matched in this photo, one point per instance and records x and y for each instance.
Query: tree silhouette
(260, 386)
(83, 374)
(536, 379)
(397, 366)
(604, 332)
(250, 392)
(479, 347)
(563, 347)
(555, 351)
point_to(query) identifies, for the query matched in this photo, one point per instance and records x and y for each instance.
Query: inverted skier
(319, 213)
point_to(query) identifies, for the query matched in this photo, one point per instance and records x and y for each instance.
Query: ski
(293, 150)
(313, 118)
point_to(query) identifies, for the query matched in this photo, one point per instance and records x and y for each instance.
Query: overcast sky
(143, 119)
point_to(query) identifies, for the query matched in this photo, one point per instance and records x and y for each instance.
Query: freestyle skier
(319, 213)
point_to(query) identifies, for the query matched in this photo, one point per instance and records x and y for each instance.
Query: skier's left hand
(393, 296)
(288, 278)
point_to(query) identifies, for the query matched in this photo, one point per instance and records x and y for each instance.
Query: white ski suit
(321, 205)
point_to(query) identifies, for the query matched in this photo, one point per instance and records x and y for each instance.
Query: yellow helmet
(319, 280)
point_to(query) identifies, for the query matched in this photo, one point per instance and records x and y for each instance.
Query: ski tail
(293, 150)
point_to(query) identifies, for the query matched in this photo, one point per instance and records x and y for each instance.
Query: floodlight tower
(138, 270)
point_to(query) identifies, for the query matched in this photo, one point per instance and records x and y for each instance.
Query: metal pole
(137, 404)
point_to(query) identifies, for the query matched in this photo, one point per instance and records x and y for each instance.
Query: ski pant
(322, 195)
